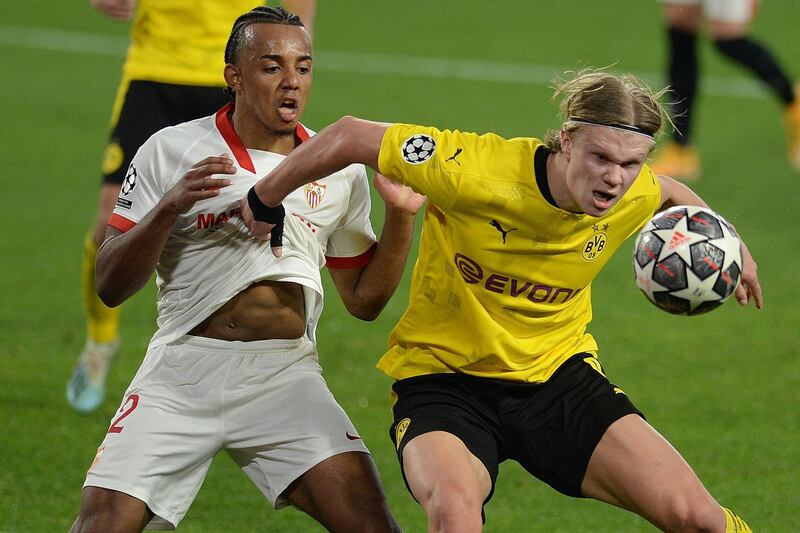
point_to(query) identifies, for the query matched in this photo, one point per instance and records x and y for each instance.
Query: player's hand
(115, 9)
(263, 230)
(749, 287)
(397, 195)
(198, 184)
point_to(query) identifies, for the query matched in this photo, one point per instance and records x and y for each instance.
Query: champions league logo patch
(314, 193)
(129, 183)
(418, 148)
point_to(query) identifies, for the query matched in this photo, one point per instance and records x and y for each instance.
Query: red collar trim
(236, 145)
(301, 133)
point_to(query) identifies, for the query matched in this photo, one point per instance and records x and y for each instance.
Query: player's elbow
(366, 310)
(111, 292)
(356, 140)
(368, 316)
(346, 123)
(342, 134)
(108, 293)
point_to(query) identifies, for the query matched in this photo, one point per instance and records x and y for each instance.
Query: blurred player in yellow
(172, 73)
(492, 358)
(728, 24)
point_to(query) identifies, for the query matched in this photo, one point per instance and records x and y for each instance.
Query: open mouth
(287, 108)
(603, 199)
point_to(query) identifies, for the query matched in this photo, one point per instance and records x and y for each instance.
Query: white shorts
(740, 11)
(264, 402)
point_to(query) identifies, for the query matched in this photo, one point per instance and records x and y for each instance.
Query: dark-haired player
(492, 358)
(233, 364)
(172, 73)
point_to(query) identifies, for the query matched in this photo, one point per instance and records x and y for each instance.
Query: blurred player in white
(233, 364)
(728, 25)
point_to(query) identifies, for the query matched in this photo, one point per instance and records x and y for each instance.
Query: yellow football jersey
(182, 42)
(502, 285)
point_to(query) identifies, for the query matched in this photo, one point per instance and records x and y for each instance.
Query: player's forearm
(347, 141)
(125, 262)
(675, 193)
(381, 276)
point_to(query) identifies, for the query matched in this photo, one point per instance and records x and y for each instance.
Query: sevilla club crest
(314, 193)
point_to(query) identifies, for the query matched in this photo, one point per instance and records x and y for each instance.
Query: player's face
(273, 75)
(602, 165)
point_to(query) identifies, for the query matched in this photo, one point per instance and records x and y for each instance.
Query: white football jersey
(210, 255)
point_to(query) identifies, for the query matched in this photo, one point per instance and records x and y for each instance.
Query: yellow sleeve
(417, 156)
(453, 167)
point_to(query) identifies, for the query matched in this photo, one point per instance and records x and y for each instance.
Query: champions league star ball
(687, 260)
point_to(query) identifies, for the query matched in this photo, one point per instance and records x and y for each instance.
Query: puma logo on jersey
(504, 232)
(453, 157)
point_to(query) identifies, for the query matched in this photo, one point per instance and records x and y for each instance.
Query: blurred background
(724, 388)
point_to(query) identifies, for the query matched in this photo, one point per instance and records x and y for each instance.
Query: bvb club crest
(595, 245)
(314, 193)
(400, 430)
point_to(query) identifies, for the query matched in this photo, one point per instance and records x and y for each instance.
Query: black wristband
(263, 213)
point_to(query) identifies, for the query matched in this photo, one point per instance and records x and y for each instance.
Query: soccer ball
(687, 260)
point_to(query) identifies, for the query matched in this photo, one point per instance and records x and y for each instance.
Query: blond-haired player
(492, 358)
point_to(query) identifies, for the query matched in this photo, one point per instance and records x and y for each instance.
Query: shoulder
(176, 146)
(648, 182)
(185, 135)
(411, 138)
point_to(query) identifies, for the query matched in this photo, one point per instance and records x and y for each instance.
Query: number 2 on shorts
(133, 400)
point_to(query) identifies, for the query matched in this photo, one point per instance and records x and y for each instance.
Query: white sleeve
(142, 188)
(351, 243)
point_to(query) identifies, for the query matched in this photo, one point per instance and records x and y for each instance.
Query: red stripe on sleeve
(351, 262)
(121, 223)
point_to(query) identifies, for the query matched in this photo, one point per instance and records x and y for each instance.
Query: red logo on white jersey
(216, 220)
(314, 193)
(310, 225)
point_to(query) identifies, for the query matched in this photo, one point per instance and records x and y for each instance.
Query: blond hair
(599, 97)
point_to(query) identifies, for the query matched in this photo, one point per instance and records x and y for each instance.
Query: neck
(557, 180)
(258, 137)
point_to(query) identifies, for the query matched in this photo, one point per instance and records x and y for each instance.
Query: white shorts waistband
(266, 347)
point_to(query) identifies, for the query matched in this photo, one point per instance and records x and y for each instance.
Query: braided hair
(257, 15)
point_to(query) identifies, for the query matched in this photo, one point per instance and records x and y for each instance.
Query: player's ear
(566, 143)
(232, 77)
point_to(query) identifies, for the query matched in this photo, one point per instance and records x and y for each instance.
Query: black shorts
(550, 428)
(148, 107)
